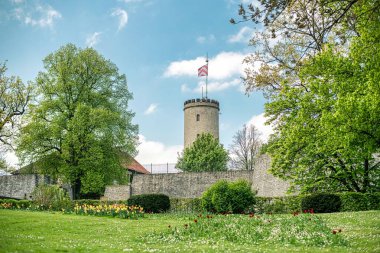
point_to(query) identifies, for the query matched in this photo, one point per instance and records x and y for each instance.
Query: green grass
(25, 231)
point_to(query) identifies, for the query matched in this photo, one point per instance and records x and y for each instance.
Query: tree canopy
(323, 91)
(205, 154)
(14, 98)
(80, 122)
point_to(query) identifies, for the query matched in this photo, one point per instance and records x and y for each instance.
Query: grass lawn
(25, 231)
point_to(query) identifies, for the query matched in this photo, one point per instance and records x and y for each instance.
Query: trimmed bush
(240, 196)
(288, 204)
(353, 201)
(373, 200)
(322, 203)
(155, 203)
(223, 197)
(186, 205)
(51, 197)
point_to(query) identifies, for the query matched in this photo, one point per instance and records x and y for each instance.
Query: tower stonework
(200, 116)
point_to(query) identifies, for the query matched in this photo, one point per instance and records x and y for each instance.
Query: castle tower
(200, 116)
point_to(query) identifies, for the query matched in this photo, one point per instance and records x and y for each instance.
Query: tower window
(198, 117)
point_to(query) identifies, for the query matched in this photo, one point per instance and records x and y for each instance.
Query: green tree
(293, 32)
(14, 98)
(328, 136)
(205, 154)
(81, 122)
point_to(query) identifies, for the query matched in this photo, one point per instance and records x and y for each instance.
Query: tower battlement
(201, 100)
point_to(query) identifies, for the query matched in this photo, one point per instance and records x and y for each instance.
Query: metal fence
(163, 168)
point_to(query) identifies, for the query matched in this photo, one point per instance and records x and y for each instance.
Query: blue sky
(158, 44)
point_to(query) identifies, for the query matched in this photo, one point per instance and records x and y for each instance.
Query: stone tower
(200, 116)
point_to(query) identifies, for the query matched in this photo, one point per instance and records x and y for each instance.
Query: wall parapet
(193, 184)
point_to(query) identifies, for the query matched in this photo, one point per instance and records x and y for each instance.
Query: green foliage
(80, 123)
(51, 197)
(95, 234)
(224, 197)
(288, 204)
(115, 210)
(353, 201)
(304, 229)
(205, 154)
(356, 201)
(373, 200)
(14, 98)
(15, 204)
(181, 205)
(326, 135)
(322, 203)
(96, 202)
(155, 203)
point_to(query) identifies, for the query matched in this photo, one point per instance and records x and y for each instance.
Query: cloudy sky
(158, 44)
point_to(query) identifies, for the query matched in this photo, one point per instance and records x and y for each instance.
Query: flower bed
(116, 210)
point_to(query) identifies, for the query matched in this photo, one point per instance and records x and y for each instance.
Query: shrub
(222, 197)
(321, 203)
(353, 201)
(287, 204)
(240, 196)
(373, 200)
(186, 205)
(155, 203)
(51, 197)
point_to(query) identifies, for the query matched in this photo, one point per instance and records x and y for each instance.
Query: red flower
(195, 220)
(251, 215)
(340, 230)
(311, 210)
(334, 232)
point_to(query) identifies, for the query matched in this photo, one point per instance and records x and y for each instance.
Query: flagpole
(207, 73)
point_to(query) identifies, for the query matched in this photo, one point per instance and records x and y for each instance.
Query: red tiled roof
(135, 166)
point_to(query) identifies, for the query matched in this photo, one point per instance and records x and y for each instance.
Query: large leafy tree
(323, 88)
(81, 123)
(293, 31)
(14, 98)
(205, 154)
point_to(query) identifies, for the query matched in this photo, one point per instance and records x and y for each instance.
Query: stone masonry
(21, 186)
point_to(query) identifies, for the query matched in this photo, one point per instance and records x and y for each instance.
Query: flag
(203, 71)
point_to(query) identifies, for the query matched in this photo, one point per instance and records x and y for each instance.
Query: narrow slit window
(198, 117)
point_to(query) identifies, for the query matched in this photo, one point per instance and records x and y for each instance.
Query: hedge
(184, 205)
(155, 203)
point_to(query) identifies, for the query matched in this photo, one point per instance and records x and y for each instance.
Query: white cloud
(123, 17)
(243, 36)
(217, 86)
(224, 65)
(42, 16)
(185, 88)
(206, 39)
(151, 109)
(259, 122)
(93, 39)
(157, 152)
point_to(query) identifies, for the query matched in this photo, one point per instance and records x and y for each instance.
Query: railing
(163, 168)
